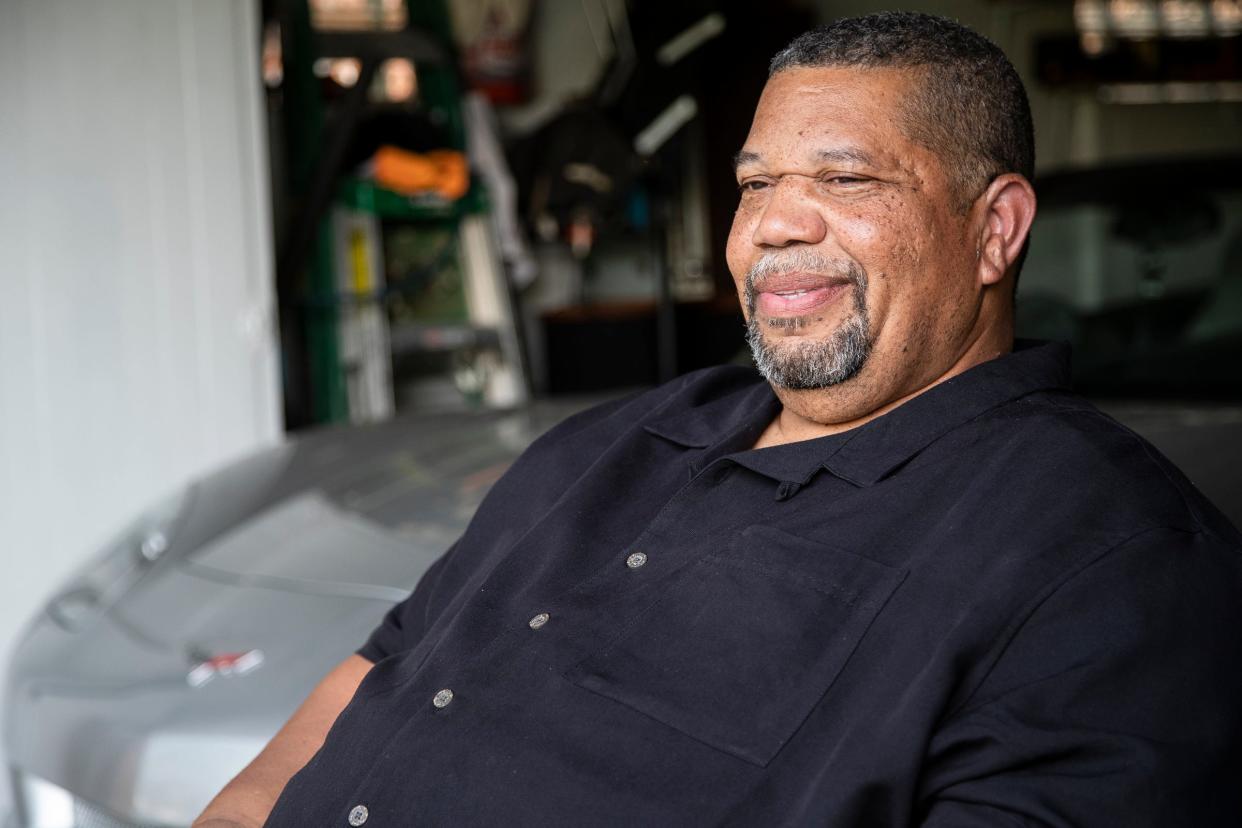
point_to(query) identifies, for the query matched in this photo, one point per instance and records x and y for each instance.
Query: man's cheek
(744, 217)
(738, 262)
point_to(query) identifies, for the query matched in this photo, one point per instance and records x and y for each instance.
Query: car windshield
(1140, 269)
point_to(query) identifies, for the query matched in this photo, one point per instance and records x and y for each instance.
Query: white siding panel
(137, 336)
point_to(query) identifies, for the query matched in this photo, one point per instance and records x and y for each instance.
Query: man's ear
(1008, 207)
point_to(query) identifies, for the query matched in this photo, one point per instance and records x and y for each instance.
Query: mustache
(803, 260)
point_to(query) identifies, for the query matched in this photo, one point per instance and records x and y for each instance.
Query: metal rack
(330, 269)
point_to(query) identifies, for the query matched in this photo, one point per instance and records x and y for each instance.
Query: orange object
(440, 171)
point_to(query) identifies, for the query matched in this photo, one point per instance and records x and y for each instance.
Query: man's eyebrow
(842, 155)
(849, 155)
(746, 157)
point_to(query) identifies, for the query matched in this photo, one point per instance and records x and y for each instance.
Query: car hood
(309, 544)
(132, 717)
(148, 698)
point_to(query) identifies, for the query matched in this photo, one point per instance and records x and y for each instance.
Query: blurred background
(224, 222)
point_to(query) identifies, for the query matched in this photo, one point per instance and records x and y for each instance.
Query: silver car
(166, 663)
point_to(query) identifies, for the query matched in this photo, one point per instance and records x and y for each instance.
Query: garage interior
(230, 224)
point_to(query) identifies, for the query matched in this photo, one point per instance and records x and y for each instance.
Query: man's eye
(845, 180)
(751, 185)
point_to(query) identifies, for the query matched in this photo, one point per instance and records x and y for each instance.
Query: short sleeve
(404, 625)
(1115, 703)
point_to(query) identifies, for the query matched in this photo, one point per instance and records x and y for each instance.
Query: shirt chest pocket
(742, 644)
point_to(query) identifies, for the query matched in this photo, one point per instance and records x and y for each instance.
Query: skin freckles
(827, 167)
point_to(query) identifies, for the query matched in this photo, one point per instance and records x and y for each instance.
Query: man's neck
(805, 418)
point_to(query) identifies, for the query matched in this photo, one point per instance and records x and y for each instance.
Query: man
(908, 580)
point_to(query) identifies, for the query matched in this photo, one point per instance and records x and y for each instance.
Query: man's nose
(791, 216)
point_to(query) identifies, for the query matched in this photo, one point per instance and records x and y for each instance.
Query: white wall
(137, 342)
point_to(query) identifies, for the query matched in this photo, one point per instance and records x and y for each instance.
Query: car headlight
(120, 563)
(40, 804)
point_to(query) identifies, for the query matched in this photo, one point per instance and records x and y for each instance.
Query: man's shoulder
(1060, 441)
(1072, 436)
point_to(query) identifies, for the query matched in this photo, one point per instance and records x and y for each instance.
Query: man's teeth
(793, 292)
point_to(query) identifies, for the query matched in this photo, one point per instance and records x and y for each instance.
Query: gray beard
(808, 364)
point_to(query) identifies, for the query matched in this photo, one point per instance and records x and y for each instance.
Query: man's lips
(795, 294)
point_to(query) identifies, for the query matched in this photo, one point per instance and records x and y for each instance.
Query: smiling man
(885, 200)
(900, 577)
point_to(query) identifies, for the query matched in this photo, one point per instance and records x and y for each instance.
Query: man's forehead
(833, 115)
(806, 96)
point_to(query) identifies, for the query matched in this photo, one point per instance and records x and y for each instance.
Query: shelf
(363, 194)
(430, 338)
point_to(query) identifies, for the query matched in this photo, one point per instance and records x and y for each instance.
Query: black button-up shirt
(990, 606)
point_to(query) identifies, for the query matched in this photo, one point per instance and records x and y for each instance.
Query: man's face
(854, 268)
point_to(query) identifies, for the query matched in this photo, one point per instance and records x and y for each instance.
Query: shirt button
(358, 815)
(443, 698)
(539, 620)
(636, 560)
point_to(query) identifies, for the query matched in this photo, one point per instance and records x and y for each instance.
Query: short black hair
(970, 109)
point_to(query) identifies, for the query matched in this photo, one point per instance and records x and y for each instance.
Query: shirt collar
(725, 419)
(731, 423)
